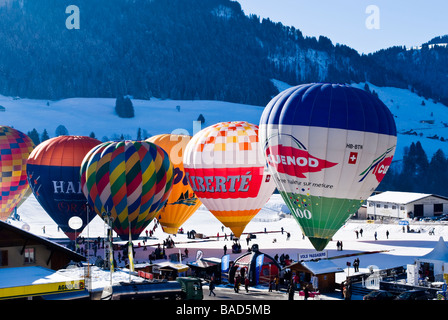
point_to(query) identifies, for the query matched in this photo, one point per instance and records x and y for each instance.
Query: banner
(313, 255)
(258, 265)
(225, 267)
(225, 263)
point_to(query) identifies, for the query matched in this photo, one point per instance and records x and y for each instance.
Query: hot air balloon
(53, 175)
(227, 171)
(328, 147)
(130, 180)
(182, 202)
(15, 147)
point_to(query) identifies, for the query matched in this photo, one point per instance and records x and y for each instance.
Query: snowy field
(399, 249)
(82, 116)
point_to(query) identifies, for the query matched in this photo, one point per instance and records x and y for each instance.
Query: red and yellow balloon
(227, 171)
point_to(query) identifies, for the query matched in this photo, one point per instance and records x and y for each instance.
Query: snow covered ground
(399, 249)
(81, 116)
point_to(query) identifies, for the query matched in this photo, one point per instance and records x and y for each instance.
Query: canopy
(439, 253)
(35, 281)
(205, 263)
(168, 266)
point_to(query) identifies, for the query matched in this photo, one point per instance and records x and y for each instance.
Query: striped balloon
(130, 180)
(15, 147)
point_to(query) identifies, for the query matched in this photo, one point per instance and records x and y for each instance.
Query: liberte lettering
(234, 183)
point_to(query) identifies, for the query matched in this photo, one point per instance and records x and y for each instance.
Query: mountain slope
(81, 116)
(177, 49)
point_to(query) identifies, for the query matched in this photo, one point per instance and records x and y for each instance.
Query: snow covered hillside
(426, 122)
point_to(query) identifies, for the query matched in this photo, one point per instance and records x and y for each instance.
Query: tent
(259, 267)
(434, 264)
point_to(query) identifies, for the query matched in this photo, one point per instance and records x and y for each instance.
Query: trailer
(184, 288)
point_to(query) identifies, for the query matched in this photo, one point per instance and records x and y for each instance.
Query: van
(413, 295)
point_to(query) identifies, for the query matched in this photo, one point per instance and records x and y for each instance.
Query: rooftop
(400, 197)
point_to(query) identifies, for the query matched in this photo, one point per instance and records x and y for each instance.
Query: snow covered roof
(179, 267)
(321, 266)
(35, 280)
(439, 253)
(399, 197)
(318, 267)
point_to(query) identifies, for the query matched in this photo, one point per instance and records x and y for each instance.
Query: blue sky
(408, 23)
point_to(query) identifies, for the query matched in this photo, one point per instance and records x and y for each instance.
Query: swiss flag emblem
(353, 157)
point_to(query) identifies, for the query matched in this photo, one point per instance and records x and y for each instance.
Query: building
(20, 248)
(402, 205)
(321, 274)
(29, 264)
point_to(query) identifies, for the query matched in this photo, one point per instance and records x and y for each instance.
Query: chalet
(321, 274)
(402, 205)
(29, 264)
(20, 248)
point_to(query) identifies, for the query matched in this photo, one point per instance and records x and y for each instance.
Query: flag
(130, 253)
(353, 157)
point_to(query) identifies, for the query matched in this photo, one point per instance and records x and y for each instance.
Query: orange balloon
(182, 202)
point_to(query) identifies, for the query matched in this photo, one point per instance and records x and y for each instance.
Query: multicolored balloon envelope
(182, 202)
(328, 147)
(129, 180)
(15, 147)
(226, 169)
(53, 174)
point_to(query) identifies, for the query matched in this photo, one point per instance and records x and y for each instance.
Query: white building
(403, 205)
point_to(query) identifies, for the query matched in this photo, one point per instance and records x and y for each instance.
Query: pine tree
(44, 136)
(61, 130)
(34, 135)
(437, 174)
(124, 107)
(139, 134)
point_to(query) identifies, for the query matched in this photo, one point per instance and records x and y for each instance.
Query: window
(386, 206)
(438, 208)
(378, 205)
(401, 208)
(3, 258)
(29, 255)
(394, 207)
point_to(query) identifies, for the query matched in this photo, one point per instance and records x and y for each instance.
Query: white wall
(401, 211)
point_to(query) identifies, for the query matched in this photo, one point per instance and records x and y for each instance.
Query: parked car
(379, 295)
(412, 295)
